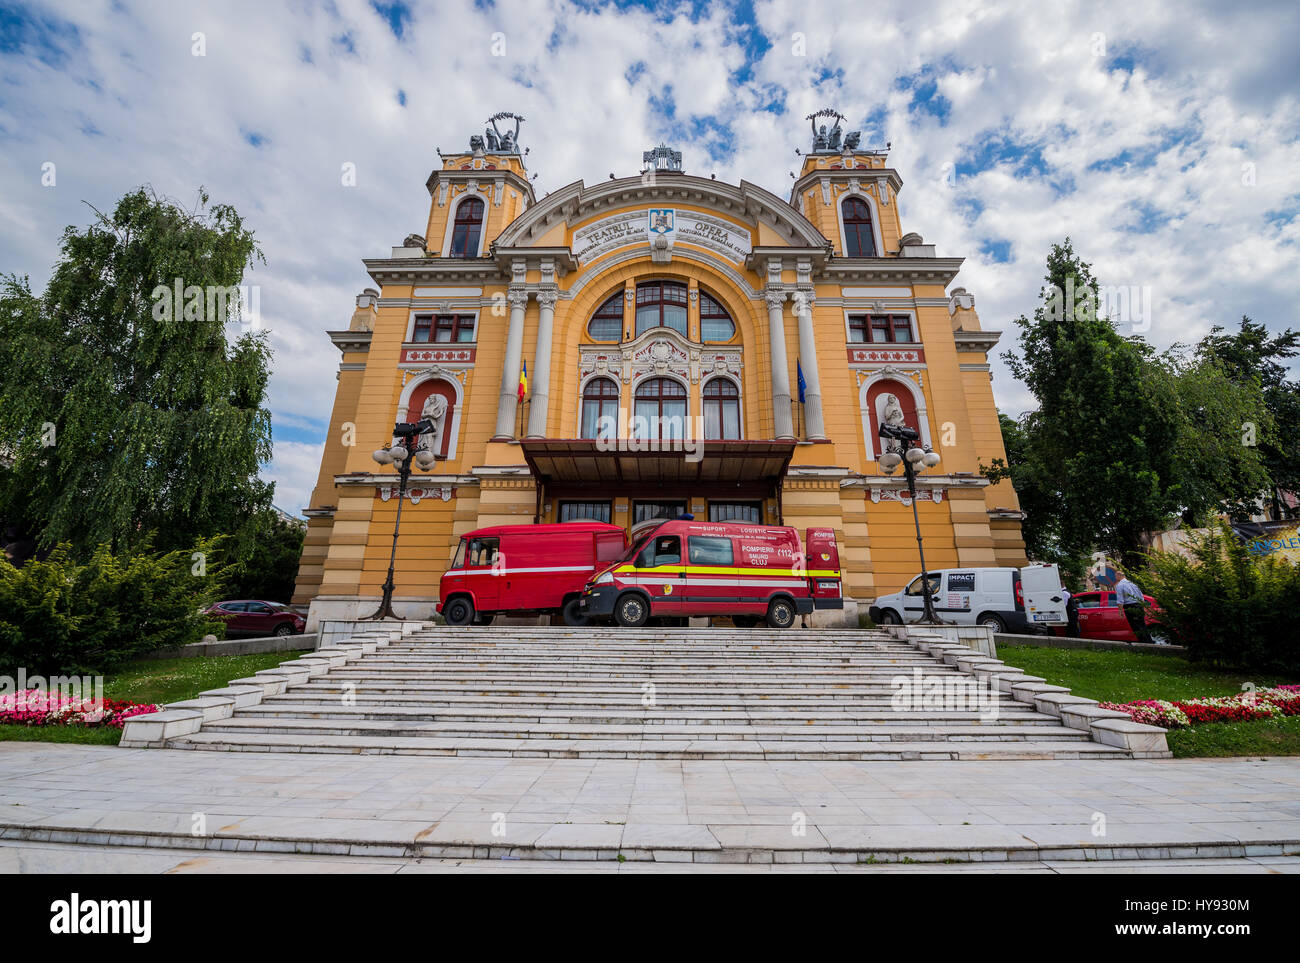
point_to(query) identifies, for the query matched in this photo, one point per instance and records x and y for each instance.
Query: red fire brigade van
(525, 570)
(749, 572)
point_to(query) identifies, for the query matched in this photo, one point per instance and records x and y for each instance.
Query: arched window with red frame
(659, 409)
(721, 410)
(859, 240)
(467, 228)
(599, 408)
(661, 304)
(607, 323)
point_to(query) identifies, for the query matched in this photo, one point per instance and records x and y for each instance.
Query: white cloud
(129, 104)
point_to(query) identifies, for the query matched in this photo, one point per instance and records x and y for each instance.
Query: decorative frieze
(869, 355)
(437, 356)
(416, 493)
(902, 495)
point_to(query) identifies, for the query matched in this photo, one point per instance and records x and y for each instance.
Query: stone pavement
(18, 857)
(732, 811)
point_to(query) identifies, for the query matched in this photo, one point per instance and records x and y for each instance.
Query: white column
(780, 366)
(509, 403)
(540, 382)
(812, 405)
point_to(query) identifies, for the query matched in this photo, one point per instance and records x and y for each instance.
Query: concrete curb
(1105, 726)
(1029, 851)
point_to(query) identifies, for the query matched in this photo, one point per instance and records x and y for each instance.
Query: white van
(1004, 599)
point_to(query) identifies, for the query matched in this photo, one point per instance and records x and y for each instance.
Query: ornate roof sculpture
(834, 140)
(494, 140)
(662, 158)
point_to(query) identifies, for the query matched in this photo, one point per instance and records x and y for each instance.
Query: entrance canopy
(751, 469)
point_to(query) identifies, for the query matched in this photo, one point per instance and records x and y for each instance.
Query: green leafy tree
(1222, 422)
(1228, 605)
(127, 414)
(1123, 441)
(266, 563)
(1040, 498)
(1097, 447)
(60, 616)
(1249, 354)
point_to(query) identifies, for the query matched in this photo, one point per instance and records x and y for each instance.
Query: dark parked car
(255, 617)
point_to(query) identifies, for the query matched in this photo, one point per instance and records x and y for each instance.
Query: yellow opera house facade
(656, 345)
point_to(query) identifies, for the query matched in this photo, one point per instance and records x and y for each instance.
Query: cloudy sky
(1163, 138)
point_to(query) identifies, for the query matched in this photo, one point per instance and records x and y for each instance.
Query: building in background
(681, 345)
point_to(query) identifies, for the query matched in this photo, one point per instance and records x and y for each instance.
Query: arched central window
(600, 409)
(715, 322)
(660, 304)
(607, 323)
(721, 410)
(859, 241)
(467, 228)
(659, 410)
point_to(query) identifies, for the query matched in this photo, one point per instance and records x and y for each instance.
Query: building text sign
(678, 226)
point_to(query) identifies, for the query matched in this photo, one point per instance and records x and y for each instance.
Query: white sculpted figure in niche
(894, 412)
(435, 409)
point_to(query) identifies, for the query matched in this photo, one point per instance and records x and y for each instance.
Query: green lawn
(153, 680)
(1262, 737)
(1120, 676)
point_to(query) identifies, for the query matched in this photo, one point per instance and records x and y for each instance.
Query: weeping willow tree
(131, 394)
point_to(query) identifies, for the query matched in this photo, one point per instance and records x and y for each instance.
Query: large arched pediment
(701, 212)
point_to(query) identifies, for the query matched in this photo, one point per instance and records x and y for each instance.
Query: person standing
(1130, 598)
(1071, 614)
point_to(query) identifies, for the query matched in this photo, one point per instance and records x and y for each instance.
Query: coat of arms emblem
(661, 220)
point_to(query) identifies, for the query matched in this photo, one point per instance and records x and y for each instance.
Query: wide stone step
(646, 748)
(813, 732)
(623, 715)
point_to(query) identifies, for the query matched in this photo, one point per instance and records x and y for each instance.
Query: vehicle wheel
(780, 614)
(283, 629)
(459, 611)
(890, 617)
(631, 611)
(573, 613)
(994, 622)
(1160, 635)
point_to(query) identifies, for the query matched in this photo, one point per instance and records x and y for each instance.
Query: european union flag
(802, 384)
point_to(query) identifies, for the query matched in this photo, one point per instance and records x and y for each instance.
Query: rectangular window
(751, 512)
(585, 511)
(647, 511)
(880, 329)
(709, 550)
(444, 328)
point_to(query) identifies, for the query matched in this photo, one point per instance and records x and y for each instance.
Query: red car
(255, 617)
(1100, 617)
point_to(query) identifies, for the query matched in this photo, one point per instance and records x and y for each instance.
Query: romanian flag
(523, 381)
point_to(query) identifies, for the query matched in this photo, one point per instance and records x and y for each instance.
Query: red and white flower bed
(35, 707)
(1283, 700)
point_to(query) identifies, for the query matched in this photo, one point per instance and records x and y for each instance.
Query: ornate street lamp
(902, 447)
(407, 448)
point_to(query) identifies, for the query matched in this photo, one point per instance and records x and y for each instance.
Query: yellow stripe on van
(723, 570)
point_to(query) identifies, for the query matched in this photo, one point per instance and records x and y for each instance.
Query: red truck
(753, 573)
(525, 570)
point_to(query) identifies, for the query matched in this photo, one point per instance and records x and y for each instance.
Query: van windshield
(636, 546)
(459, 560)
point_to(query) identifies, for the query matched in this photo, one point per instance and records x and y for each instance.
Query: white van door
(1044, 599)
(957, 601)
(995, 590)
